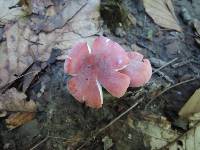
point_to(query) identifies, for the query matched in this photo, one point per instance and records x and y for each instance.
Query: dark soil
(68, 124)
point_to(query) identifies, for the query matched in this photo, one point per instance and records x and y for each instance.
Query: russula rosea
(104, 64)
(94, 67)
(139, 70)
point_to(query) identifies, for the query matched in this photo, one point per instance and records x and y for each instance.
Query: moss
(114, 14)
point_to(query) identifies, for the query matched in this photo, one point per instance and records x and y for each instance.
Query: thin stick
(38, 144)
(61, 138)
(167, 89)
(7, 84)
(109, 124)
(170, 62)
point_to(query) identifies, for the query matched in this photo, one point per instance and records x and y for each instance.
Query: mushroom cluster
(106, 64)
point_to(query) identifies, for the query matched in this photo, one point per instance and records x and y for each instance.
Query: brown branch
(170, 62)
(167, 89)
(38, 144)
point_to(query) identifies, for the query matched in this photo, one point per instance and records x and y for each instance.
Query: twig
(22, 76)
(163, 75)
(38, 144)
(170, 62)
(165, 65)
(167, 89)
(8, 84)
(55, 137)
(182, 63)
(109, 124)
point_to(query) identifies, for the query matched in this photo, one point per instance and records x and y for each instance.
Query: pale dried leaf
(189, 140)
(8, 11)
(5, 76)
(17, 53)
(162, 12)
(15, 101)
(79, 22)
(17, 119)
(192, 106)
(82, 27)
(156, 130)
(36, 6)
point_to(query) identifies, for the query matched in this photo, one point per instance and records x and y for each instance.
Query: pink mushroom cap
(139, 70)
(92, 68)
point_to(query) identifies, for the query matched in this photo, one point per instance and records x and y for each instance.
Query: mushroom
(92, 68)
(139, 70)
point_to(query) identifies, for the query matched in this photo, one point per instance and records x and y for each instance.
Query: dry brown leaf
(192, 106)
(17, 119)
(15, 101)
(23, 47)
(162, 12)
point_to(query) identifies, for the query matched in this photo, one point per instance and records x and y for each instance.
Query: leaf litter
(18, 109)
(162, 12)
(25, 45)
(50, 25)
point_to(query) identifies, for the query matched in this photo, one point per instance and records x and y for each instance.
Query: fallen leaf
(17, 119)
(36, 6)
(9, 11)
(162, 12)
(14, 101)
(24, 45)
(192, 106)
(83, 26)
(156, 130)
(18, 53)
(65, 11)
(189, 140)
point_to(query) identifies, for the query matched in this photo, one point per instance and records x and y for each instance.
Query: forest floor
(63, 123)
